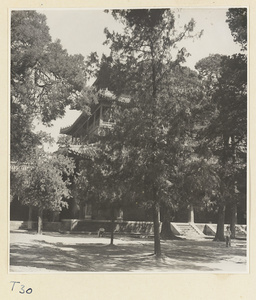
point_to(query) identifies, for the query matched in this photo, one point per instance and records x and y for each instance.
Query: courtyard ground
(55, 252)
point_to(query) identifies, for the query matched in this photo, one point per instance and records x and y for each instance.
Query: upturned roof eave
(105, 96)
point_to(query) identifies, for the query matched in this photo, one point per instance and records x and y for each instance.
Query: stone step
(187, 230)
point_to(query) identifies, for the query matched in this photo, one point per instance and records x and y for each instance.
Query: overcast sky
(81, 32)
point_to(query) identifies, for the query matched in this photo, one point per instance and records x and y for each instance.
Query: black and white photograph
(128, 140)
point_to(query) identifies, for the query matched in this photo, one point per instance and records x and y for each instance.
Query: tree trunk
(40, 221)
(219, 236)
(156, 220)
(112, 226)
(233, 221)
(166, 232)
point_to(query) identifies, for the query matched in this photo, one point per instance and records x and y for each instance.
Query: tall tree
(44, 79)
(225, 134)
(146, 52)
(231, 98)
(225, 130)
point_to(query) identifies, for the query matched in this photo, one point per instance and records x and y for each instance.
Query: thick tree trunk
(40, 221)
(219, 236)
(166, 232)
(156, 220)
(233, 221)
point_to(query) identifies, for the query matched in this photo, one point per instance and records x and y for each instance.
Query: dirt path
(82, 253)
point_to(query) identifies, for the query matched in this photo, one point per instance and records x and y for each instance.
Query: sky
(81, 31)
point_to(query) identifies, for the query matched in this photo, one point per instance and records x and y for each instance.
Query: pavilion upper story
(102, 117)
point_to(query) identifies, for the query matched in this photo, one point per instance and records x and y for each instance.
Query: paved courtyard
(54, 252)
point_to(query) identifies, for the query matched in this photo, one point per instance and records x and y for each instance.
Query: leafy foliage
(179, 137)
(149, 42)
(223, 137)
(142, 157)
(237, 22)
(44, 79)
(44, 181)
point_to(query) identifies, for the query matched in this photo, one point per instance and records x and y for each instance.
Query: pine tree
(44, 79)
(140, 146)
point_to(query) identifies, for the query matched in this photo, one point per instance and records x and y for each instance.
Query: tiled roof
(105, 94)
(87, 151)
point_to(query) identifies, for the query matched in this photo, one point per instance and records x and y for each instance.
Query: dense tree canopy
(44, 79)
(237, 22)
(181, 140)
(180, 137)
(43, 182)
(224, 132)
(139, 160)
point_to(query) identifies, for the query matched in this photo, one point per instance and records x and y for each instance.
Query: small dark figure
(227, 234)
(101, 232)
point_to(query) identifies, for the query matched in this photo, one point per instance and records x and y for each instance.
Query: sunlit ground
(54, 252)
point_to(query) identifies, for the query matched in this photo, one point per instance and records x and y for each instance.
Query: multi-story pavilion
(82, 132)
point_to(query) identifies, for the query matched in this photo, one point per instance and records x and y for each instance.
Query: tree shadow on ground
(98, 257)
